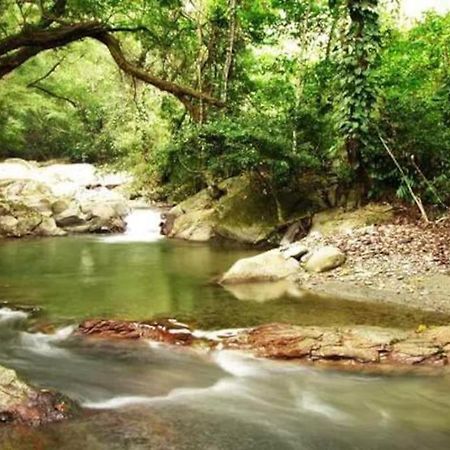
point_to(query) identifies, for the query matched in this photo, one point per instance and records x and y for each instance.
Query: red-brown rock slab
(168, 331)
(359, 345)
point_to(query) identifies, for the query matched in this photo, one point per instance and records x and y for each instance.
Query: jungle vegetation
(191, 92)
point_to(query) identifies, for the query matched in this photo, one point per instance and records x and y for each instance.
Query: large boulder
(25, 405)
(239, 209)
(48, 227)
(83, 175)
(198, 226)
(8, 226)
(325, 259)
(17, 220)
(272, 265)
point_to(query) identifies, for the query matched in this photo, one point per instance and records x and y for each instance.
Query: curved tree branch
(175, 89)
(16, 50)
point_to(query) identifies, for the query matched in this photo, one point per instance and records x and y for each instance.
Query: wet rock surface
(168, 331)
(347, 346)
(21, 404)
(358, 346)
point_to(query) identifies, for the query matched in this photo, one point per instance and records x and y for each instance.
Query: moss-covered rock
(339, 220)
(245, 211)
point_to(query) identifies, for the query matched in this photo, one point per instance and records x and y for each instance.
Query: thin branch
(178, 91)
(48, 73)
(428, 183)
(416, 199)
(53, 94)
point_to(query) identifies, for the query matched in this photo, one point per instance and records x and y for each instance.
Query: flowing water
(146, 396)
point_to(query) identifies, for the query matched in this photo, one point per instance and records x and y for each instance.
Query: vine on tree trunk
(360, 49)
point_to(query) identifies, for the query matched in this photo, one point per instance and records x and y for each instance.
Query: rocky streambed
(56, 199)
(354, 348)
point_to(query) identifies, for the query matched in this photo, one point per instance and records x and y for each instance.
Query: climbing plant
(359, 54)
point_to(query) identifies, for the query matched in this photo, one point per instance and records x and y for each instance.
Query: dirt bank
(404, 262)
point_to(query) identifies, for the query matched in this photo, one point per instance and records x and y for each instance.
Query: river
(142, 395)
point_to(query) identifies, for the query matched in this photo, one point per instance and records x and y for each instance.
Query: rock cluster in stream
(359, 346)
(56, 199)
(21, 404)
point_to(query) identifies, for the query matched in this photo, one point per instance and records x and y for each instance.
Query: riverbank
(361, 255)
(404, 262)
(385, 253)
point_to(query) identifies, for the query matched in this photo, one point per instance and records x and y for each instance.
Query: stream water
(143, 396)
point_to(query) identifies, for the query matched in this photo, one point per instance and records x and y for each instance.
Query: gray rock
(325, 259)
(48, 201)
(72, 216)
(268, 266)
(295, 250)
(244, 211)
(48, 227)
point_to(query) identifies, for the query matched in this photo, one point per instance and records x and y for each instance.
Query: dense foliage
(276, 89)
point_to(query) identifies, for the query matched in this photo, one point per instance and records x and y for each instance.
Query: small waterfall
(142, 226)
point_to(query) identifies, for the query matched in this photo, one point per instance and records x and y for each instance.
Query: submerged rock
(23, 404)
(264, 291)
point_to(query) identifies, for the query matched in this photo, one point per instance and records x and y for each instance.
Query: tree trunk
(232, 4)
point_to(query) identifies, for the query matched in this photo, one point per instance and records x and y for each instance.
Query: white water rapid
(142, 226)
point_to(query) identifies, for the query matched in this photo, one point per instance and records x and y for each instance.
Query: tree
(360, 50)
(32, 27)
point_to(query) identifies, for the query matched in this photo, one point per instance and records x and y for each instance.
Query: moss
(245, 211)
(338, 220)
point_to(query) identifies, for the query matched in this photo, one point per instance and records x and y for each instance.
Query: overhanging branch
(16, 50)
(175, 89)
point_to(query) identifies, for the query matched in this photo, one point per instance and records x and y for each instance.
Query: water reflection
(265, 291)
(79, 277)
